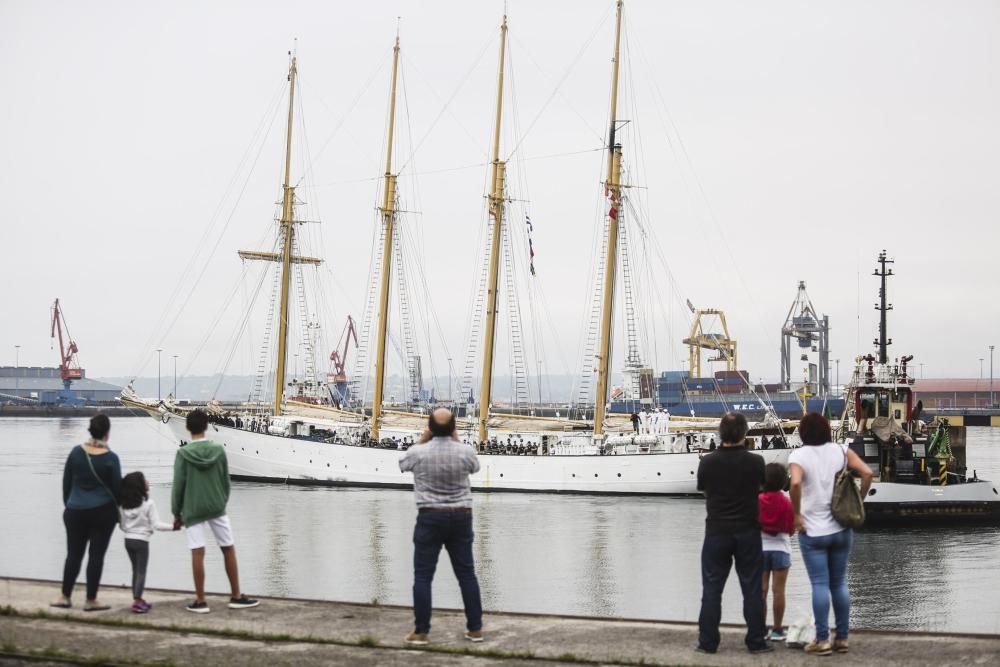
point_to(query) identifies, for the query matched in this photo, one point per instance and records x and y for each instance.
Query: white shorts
(221, 530)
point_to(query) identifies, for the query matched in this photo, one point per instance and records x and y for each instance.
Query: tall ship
(920, 468)
(296, 438)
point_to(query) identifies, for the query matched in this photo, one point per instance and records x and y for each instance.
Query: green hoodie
(201, 482)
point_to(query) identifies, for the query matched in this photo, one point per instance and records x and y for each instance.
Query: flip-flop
(97, 607)
(61, 605)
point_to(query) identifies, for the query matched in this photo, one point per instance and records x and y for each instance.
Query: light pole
(175, 377)
(991, 377)
(921, 370)
(159, 371)
(839, 391)
(980, 368)
(17, 365)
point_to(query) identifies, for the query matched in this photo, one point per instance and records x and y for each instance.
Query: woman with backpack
(92, 478)
(825, 544)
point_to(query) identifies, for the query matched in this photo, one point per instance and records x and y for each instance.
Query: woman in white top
(824, 543)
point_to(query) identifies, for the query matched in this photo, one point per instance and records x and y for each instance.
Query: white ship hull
(888, 501)
(275, 458)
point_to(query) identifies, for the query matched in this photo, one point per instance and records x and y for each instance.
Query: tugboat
(920, 468)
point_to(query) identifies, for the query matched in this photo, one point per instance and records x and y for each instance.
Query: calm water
(633, 557)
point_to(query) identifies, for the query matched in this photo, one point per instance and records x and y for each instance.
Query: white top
(140, 522)
(779, 542)
(820, 465)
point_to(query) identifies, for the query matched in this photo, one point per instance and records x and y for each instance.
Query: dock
(311, 632)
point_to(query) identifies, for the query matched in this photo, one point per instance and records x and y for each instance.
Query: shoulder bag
(101, 482)
(846, 504)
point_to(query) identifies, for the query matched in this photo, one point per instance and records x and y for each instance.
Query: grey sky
(819, 133)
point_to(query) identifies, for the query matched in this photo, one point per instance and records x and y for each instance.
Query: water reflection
(635, 557)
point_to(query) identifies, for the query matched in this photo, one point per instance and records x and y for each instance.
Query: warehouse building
(42, 384)
(951, 394)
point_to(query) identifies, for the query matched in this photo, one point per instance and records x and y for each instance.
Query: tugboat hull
(969, 501)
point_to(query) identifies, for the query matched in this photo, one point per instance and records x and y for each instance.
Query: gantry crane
(69, 365)
(338, 361)
(812, 334)
(722, 344)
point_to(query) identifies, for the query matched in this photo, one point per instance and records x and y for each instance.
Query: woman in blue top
(92, 479)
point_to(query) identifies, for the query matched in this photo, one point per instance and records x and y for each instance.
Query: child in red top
(777, 523)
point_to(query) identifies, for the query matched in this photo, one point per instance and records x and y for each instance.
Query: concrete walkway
(299, 632)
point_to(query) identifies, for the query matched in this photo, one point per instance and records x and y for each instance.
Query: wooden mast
(288, 235)
(497, 175)
(388, 229)
(613, 189)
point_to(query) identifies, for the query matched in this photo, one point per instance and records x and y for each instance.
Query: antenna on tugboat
(883, 307)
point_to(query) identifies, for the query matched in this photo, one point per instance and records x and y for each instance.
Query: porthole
(327, 465)
(872, 492)
(243, 449)
(657, 474)
(619, 474)
(574, 474)
(376, 469)
(310, 460)
(258, 452)
(595, 474)
(501, 474)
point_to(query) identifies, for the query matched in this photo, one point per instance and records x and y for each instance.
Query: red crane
(338, 359)
(69, 366)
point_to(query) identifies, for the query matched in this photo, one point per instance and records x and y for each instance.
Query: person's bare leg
(198, 568)
(764, 580)
(780, 577)
(232, 570)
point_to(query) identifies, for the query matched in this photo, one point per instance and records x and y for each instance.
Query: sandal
(62, 603)
(96, 606)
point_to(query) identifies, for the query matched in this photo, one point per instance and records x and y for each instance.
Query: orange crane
(338, 360)
(69, 365)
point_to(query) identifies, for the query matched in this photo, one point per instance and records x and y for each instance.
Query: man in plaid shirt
(441, 466)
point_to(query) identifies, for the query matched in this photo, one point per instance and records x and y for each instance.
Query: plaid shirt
(441, 470)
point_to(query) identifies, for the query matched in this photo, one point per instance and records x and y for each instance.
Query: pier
(311, 632)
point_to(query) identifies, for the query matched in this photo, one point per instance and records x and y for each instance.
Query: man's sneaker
(764, 648)
(702, 649)
(139, 607)
(474, 636)
(778, 635)
(416, 639)
(242, 602)
(819, 647)
(198, 607)
(840, 646)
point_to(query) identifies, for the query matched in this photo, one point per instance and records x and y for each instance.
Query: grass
(364, 641)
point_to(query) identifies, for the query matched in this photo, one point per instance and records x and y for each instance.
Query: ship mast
(613, 190)
(497, 175)
(883, 308)
(388, 229)
(285, 257)
(288, 235)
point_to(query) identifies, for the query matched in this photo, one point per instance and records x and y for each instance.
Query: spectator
(776, 525)
(824, 543)
(731, 478)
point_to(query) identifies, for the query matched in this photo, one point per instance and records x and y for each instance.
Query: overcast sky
(769, 142)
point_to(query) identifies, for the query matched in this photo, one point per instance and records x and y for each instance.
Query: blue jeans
(717, 555)
(453, 531)
(826, 562)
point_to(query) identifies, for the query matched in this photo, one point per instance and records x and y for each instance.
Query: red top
(776, 513)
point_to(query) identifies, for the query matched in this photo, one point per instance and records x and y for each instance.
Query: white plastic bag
(802, 632)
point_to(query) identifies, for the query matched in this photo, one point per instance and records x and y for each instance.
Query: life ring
(165, 417)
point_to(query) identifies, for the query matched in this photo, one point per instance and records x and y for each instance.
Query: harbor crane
(337, 376)
(722, 344)
(69, 365)
(812, 334)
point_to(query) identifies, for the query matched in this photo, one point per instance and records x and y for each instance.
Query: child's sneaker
(197, 607)
(778, 635)
(139, 607)
(242, 602)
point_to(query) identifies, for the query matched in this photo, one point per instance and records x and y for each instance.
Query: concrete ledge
(302, 632)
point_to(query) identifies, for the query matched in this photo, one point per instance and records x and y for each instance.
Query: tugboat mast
(883, 307)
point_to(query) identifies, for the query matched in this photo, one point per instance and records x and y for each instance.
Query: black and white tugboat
(920, 467)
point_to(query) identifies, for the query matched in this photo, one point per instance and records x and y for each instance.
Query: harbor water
(579, 555)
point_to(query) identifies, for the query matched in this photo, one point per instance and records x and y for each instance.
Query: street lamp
(839, 392)
(17, 365)
(175, 377)
(980, 368)
(921, 370)
(449, 379)
(992, 403)
(159, 371)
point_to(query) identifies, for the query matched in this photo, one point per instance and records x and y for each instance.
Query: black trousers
(138, 553)
(83, 527)
(718, 554)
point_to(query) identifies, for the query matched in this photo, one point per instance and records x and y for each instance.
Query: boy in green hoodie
(198, 499)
